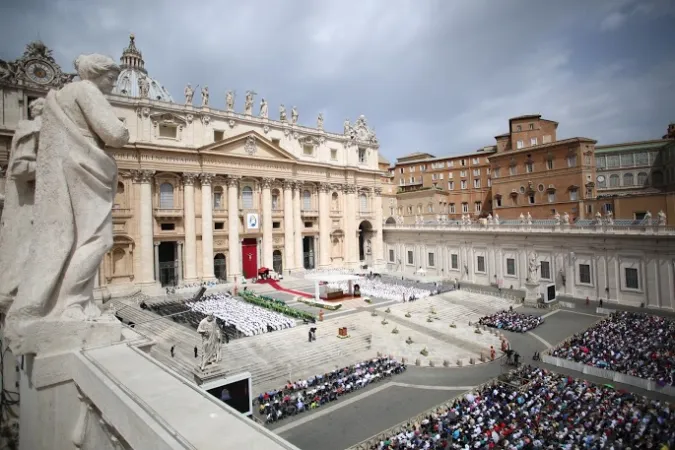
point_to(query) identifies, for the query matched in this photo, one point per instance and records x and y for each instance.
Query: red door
(249, 257)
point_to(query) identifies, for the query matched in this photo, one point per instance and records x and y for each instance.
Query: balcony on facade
(121, 213)
(168, 212)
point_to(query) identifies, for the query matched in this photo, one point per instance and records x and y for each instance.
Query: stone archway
(390, 221)
(220, 266)
(278, 262)
(365, 243)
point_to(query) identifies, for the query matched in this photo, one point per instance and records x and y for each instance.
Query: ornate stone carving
(189, 118)
(322, 140)
(251, 145)
(206, 178)
(288, 184)
(206, 119)
(377, 191)
(360, 131)
(36, 67)
(74, 179)
(231, 123)
(142, 176)
(349, 188)
(324, 187)
(287, 132)
(266, 183)
(189, 178)
(296, 135)
(233, 180)
(189, 94)
(143, 86)
(266, 129)
(143, 112)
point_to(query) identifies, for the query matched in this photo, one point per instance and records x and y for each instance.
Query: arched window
(218, 197)
(627, 179)
(247, 197)
(166, 196)
(275, 199)
(119, 196)
(410, 210)
(642, 179)
(334, 202)
(657, 178)
(306, 200)
(118, 261)
(614, 180)
(363, 203)
(419, 209)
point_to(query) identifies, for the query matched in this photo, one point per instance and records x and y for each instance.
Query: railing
(168, 212)
(309, 212)
(539, 228)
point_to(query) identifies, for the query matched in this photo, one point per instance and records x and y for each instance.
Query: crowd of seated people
(543, 410)
(378, 289)
(511, 321)
(316, 391)
(634, 344)
(246, 318)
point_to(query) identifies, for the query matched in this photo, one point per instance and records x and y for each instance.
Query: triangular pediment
(250, 145)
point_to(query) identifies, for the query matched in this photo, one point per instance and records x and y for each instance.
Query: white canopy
(332, 277)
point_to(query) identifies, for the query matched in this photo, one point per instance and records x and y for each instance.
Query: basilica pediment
(251, 145)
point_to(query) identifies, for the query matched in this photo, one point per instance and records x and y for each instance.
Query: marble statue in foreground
(16, 227)
(211, 341)
(75, 185)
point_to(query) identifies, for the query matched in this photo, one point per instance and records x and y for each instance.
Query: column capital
(349, 188)
(298, 185)
(266, 183)
(324, 187)
(156, 244)
(206, 178)
(189, 178)
(142, 176)
(233, 180)
(288, 184)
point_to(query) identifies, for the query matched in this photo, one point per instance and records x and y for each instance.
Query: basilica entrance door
(249, 257)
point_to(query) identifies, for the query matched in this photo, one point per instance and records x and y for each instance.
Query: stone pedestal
(210, 373)
(532, 295)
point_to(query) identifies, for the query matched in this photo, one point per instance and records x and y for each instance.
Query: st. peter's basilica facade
(209, 194)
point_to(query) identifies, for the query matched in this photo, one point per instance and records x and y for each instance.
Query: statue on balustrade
(211, 341)
(15, 227)
(75, 186)
(189, 94)
(229, 101)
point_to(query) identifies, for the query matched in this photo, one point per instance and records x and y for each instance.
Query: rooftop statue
(248, 103)
(75, 185)
(282, 113)
(264, 110)
(205, 96)
(189, 94)
(229, 100)
(294, 115)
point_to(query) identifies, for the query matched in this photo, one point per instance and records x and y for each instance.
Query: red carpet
(278, 287)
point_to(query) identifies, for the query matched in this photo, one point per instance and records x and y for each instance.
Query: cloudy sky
(440, 76)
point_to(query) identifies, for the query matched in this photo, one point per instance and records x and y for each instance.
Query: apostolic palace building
(207, 194)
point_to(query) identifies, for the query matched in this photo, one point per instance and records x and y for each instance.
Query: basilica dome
(133, 70)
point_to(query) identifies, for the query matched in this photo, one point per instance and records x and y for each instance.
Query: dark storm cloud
(436, 76)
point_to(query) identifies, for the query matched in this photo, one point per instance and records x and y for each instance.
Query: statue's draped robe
(210, 341)
(75, 186)
(15, 227)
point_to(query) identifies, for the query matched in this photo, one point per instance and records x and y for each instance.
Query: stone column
(156, 261)
(146, 226)
(297, 226)
(289, 244)
(350, 221)
(378, 250)
(324, 225)
(234, 266)
(179, 251)
(267, 240)
(189, 226)
(207, 227)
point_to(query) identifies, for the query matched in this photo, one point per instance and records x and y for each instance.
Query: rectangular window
(545, 270)
(520, 144)
(463, 184)
(308, 150)
(476, 183)
(451, 164)
(608, 207)
(499, 201)
(632, 278)
(440, 176)
(276, 142)
(546, 139)
(276, 225)
(551, 197)
(531, 126)
(218, 135)
(572, 161)
(478, 207)
(513, 170)
(465, 207)
(489, 182)
(529, 167)
(495, 173)
(533, 141)
(430, 260)
(168, 226)
(613, 161)
(219, 226)
(451, 185)
(217, 200)
(589, 209)
(475, 161)
(411, 257)
(362, 155)
(391, 255)
(476, 172)
(531, 199)
(462, 162)
(449, 175)
(462, 173)
(454, 261)
(549, 164)
(168, 131)
(333, 155)
(585, 273)
(308, 224)
(574, 195)
(434, 176)
(510, 266)
(480, 264)
(452, 208)
(639, 215)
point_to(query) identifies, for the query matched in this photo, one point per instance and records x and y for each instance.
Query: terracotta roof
(527, 116)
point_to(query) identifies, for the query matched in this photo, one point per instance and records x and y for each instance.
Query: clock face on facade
(601, 178)
(39, 72)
